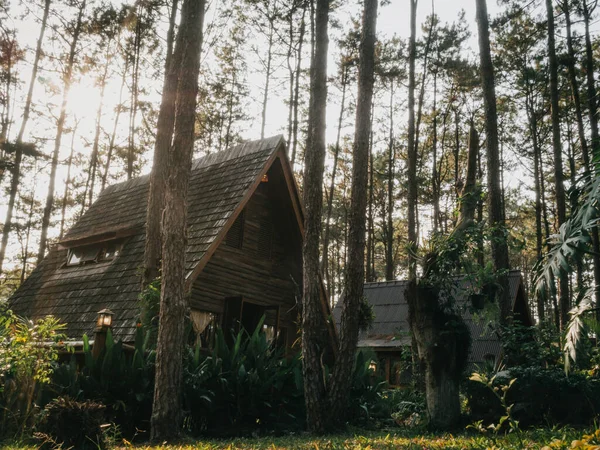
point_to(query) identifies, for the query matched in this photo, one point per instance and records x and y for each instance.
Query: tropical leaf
(577, 328)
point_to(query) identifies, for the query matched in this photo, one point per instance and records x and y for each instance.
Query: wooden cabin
(243, 257)
(389, 336)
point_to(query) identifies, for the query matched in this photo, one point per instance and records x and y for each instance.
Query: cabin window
(105, 251)
(83, 255)
(235, 235)
(265, 238)
(205, 326)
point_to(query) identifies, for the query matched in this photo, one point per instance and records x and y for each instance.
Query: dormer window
(104, 251)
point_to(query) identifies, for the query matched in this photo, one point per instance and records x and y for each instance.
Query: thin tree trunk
(16, 171)
(291, 75)
(137, 45)
(59, 132)
(111, 145)
(370, 276)
(355, 271)
(297, 86)
(313, 323)
(96, 144)
(28, 229)
(166, 409)
(496, 215)
(561, 209)
(389, 254)
(267, 78)
(575, 88)
(434, 171)
(67, 183)
(533, 129)
(325, 256)
(412, 155)
(593, 120)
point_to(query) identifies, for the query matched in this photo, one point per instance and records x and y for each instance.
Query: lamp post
(103, 324)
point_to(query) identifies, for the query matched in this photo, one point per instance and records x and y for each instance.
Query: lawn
(392, 439)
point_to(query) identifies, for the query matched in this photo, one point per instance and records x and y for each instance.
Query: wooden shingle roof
(390, 327)
(220, 184)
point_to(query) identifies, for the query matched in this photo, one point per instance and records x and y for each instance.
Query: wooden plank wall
(263, 277)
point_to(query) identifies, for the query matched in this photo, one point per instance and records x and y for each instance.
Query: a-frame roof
(220, 185)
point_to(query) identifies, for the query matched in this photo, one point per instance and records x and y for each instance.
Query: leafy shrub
(530, 346)
(72, 424)
(540, 396)
(120, 378)
(243, 387)
(26, 358)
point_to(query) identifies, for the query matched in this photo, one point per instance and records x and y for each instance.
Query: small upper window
(235, 235)
(83, 255)
(111, 250)
(105, 251)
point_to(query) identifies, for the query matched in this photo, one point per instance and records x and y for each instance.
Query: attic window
(265, 238)
(235, 235)
(105, 251)
(83, 255)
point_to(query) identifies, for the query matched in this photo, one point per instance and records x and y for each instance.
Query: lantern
(105, 318)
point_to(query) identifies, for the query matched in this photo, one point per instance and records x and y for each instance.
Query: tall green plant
(121, 378)
(244, 386)
(27, 352)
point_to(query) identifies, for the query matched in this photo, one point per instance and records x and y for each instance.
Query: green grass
(364, 440)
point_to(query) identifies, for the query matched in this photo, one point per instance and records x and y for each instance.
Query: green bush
(244, 387)
(71, 424)
(26, 365)
(530, 346)
(540, 396)
(120, 378)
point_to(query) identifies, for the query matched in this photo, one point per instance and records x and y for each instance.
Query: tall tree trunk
(297, 86)
(496, 215)
(67, 182)
(355, 271)
(25, 256)
(166, 409)
(67, 78)
(389, 242)
(412, 154)
(135, 73)
(561, 209)
(575, 87)
(16, 171)
(325, 256)
(291, 72)
(590, 80)
(435, 187)
(313, 323)
(160, 165)
(113, 135)
(593, 119)
(533, 130)
(96, 144)
(370, 276)
(441, 346)
(267, 77)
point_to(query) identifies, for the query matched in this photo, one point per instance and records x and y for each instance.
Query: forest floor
(547, 439)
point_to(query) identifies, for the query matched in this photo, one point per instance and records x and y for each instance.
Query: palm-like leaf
(577, 328)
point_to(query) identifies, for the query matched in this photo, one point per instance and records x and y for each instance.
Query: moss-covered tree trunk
(441, 336)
